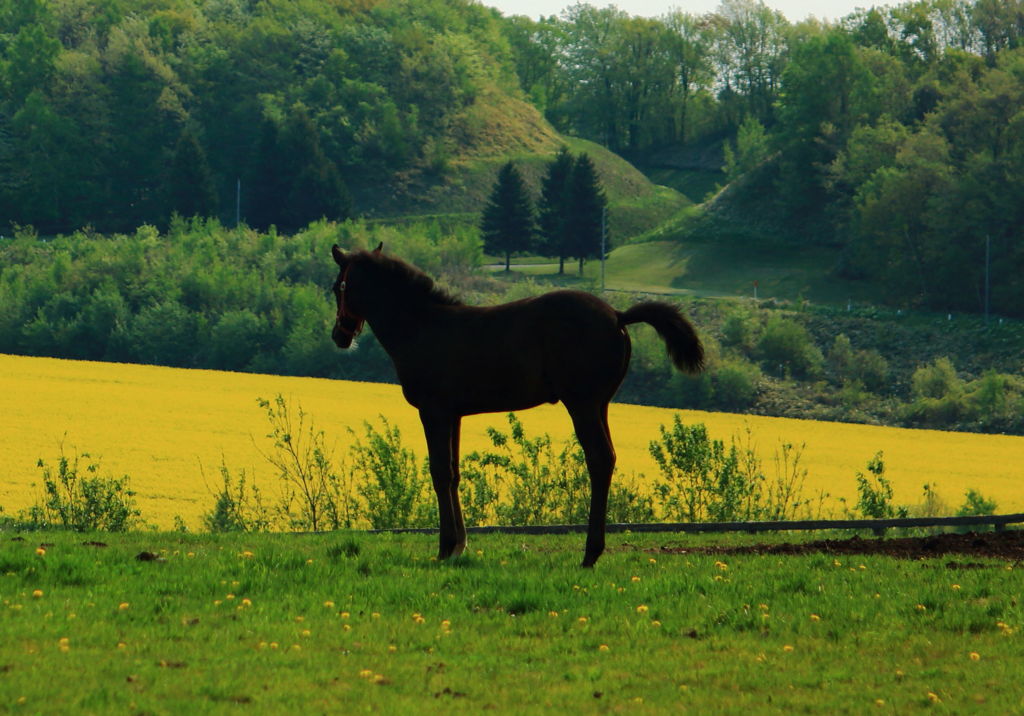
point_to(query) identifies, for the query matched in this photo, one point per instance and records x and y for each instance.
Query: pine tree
(584, 217)
(507, 224)
(553, 205)
(190, 184)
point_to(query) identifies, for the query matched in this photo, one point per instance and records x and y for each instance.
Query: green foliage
(238, 506)
(874, 492)
(704, 481)
(394, 488)
(752, 148)
(785, 347)
(525, 480)
(976, 504)
(80, 499)
(313, 495)
(507, 222)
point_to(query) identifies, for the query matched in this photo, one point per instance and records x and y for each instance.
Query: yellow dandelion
(344, 615)
(603, 647)
(309, 561)
(296, 647)
(879, 702)
(366, 674)
(121, 645)
(229, 597)
(216, 602)
(446, 624)
(553, 614)
(582, 620)
(763, 607)
(934, 697)
(329, 604)
(300, 618)
(392, 648)
(375, 615)
(273, 645)
(262, 645)
(245, 555)
(787, 648)
(123, 605)
(246, 602)
(306, 632)
(955, 587)
(974, 656)
(634, 579)
(37, 594)
(920, 607)
(815, 618)
(63, 641)
(41, 551)
(380, 680)
(652, 560)
(863, 566)
(191, 554)
(836, 563)
(655, 623)
(900, 674)
(346, 627)
(721, 565)
(641, 609)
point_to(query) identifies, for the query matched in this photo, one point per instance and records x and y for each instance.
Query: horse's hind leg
(439, 433)
(591, 424)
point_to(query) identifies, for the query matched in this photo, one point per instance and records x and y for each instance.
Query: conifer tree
(553, 207)
(585, 211)
(190, 184)
(507, 224)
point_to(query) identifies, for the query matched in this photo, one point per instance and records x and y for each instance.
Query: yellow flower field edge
(170, 430)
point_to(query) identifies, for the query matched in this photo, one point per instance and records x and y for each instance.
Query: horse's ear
(379, 247)
(339, 255)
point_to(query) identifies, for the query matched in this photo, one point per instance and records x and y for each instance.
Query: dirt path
(1008, 545)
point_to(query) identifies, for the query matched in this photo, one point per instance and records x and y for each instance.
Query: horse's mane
(406, 277)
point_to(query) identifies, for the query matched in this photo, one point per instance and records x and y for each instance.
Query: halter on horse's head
(347, 324)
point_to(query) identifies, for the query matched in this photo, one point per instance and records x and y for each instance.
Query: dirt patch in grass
(1008, 545)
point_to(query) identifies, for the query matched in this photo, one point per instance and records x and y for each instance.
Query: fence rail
(999, 522)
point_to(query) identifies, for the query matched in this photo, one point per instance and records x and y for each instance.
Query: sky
(794, 10)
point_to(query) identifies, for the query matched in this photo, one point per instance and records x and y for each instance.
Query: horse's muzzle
(342, 335)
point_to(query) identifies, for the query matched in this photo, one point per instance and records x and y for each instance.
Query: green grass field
(369, 623)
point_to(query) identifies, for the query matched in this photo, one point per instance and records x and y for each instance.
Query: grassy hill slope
(499, 127)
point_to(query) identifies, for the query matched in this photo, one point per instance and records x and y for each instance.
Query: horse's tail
(684, 347)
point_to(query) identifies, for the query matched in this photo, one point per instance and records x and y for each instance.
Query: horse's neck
(398, 326)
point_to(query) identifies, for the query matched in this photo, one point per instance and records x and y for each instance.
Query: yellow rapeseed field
(159, 425)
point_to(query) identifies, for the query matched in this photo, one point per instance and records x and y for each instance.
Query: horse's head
(350, 316)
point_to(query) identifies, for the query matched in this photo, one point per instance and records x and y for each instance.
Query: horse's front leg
(460, 525)
(438, 430)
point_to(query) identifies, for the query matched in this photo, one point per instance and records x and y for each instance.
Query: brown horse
(454, 360)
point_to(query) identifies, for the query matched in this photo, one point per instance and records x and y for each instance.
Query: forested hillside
(895, 135)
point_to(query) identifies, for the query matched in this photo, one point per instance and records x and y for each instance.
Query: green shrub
(976, 504)
(786, 347)
(874, 492)
(736, 384)
(936, 381)
(391, 482)
(238, 506)
(82, 501)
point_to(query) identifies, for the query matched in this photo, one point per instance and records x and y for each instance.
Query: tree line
(115, 114)
(894, 134)
(568, 219)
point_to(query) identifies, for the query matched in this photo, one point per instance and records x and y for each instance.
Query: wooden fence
(879, 527)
